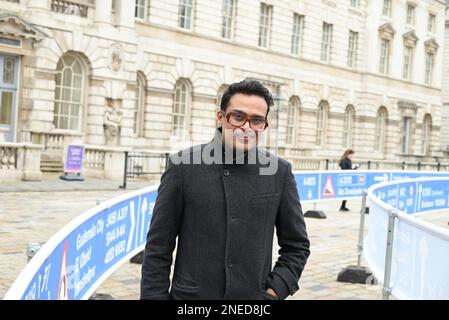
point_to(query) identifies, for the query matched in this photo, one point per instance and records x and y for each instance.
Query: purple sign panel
(74, 160)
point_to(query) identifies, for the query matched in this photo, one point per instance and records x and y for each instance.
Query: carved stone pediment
(14, 27)
(386, 31)
(403, 104)
(431, 46)
(410, 39)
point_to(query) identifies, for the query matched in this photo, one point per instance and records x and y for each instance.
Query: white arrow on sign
(133, 225)
(309, 194)
(419, 197)
(143, 211)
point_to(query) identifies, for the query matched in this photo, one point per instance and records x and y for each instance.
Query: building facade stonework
(147, 75)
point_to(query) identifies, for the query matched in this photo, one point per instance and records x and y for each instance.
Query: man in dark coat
(223, 213)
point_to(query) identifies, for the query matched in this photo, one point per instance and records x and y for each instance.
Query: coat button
(226, 173)
(229, 264)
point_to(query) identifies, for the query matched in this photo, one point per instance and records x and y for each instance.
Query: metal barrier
(78, 259)
(394, 165)
(408, 255)
(83, 254)
(135, 165)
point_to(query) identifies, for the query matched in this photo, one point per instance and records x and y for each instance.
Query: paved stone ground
(35, 216)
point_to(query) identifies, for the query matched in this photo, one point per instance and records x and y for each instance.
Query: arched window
(321, 125)
(139, 110)
(292, 120)
(70, 81)
(426, 134)
(181, 106)
(348, 128)
(381, 130)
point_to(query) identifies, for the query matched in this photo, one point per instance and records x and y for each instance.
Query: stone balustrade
(73, 7)
(20, 161)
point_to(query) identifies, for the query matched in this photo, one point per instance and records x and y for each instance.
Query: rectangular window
(355, 3)
(298, 26)
(406, 135)
(10, 42)
(408, 63)
(290, 124)
(431, 23)
(264, 24)
(410, 14)
(386, 9)
(9, 70)
(228, 19)
(384, 56)
(185, 14)
(429, 67)
(6, 105)
(326, 44)
(352, 49)
(140, 12)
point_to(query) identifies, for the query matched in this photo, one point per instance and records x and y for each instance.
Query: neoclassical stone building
(148, 75)
(445, 111)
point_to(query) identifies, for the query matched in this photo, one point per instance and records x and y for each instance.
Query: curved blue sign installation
(80, 257)
(418, 265)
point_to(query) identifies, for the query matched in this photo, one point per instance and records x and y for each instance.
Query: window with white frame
(181, 105)
(185, 13)
(408, 63)
(321, 125)
(426, 134)
(410, 19)
(298, 27)
(430, 58)
(431, 22)
(386, 8)
(227, 27)
(406, 134)
(266, 12)
(69, 93)
(352, 49)
(292, 120)
(384, 63)
(326, 43)
(348, 128)
(139, 110)
(141, 9)
(355, 3)
(381, 130)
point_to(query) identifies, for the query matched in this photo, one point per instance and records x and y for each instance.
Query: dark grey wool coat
(224, 216)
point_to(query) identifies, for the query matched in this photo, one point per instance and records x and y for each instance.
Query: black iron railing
(136, 165)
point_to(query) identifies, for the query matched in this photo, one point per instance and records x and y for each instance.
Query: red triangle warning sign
(328, 190)
(63, 289)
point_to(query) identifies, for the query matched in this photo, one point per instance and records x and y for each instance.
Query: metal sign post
(386, 290)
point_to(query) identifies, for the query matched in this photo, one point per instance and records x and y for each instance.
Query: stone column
(103, 11)
(29, 161)
(125, 13)
(114, 163)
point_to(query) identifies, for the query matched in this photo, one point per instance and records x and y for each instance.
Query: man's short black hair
(249, 87)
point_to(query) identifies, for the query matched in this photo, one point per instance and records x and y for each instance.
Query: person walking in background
(346, 164)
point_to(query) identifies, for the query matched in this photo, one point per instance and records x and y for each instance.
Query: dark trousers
(343, 204)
